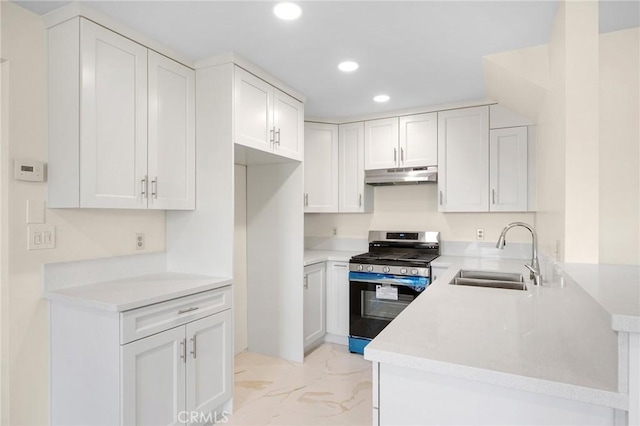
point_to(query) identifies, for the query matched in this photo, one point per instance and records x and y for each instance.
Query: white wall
(620, 147)
(414, 207)
(582, 123)
(80, 234)
(240, 259)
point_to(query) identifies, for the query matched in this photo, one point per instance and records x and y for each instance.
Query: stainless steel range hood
(406, 176)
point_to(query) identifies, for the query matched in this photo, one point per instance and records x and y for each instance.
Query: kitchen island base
(407, 396)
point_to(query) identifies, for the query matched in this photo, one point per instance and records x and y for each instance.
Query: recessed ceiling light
(381, 98)
(287, 11)
(348, 66)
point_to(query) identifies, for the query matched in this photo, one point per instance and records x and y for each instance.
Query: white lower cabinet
(337, 302)
(314, 305)
(169, 363)
(182, 370)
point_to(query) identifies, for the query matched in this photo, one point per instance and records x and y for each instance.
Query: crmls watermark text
(199, 417)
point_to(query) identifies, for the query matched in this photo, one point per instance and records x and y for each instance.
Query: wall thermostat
(32, 171)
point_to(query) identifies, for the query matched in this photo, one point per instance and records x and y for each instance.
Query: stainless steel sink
(506, 280)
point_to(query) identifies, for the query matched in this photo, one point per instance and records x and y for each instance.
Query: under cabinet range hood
(406, 176)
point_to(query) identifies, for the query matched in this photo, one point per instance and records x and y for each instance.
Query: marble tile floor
(331, 387)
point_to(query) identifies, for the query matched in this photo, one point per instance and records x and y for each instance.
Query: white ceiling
(418, 52)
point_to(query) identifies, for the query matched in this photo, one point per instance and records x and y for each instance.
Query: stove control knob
(370, 268)
(414, 272)
(385, 269)
(403, 270)
(360, 267)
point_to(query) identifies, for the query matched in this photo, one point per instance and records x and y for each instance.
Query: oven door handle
(382, 281)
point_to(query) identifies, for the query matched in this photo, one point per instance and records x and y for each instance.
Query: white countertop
(615, 287)
(317, 256)
(556, 341)
(130, 293)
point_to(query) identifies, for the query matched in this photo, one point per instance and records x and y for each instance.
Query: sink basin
(505, 280)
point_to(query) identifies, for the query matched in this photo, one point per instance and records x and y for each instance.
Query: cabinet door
(463, 160)
(153, 379)
(419, 140)
(172, 139)
(253, 119)
(288, 121)
(113, 134)
(314, 304)
(351, 188)
(508, 169)
(381, 144)
(321, 168)
(210, 363)
(338, 299)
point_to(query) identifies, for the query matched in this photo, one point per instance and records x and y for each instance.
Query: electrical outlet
(335, 231)
(480, 234)
(140, 241)
(41, 237)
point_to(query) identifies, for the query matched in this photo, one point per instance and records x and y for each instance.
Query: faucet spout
(534, 267)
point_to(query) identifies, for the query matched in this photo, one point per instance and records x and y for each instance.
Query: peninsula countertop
(552, 340)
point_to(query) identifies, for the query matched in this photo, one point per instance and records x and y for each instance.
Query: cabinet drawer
(142, 322)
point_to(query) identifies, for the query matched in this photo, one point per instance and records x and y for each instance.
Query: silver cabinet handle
(306, 200)
(154, 188)
(193, 352)
(191, 309)
(278, 137)
(360, 200)
(143, 185)
(395, 154)
(271, 140)
(402, 155)
(306, 282)
(184, 350)
(493, 196)
(440, 197)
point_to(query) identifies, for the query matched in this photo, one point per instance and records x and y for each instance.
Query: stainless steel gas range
(383, 281)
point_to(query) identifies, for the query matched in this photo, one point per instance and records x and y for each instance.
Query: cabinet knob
(360, 200)
(395, 154)
(402, 155)
(271, 139)
(278, 137)
(440, 197)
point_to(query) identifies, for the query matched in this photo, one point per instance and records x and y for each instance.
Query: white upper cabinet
(288, 121)
(267, 119)
(113, 117)
(463, 160)
(408, 141)
(320, 168)
(172, 139)
(354, 195)
(419, 140)
(381, 144)
(508, 169)
(104, 150)
(253, 111)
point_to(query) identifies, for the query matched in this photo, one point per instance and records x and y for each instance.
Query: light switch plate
(41, 237)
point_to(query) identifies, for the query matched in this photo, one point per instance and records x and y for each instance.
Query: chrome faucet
(534, 268)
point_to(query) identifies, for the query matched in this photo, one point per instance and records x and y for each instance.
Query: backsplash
(447, 248)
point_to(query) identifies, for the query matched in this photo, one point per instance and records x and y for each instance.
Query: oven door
(376, 299)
